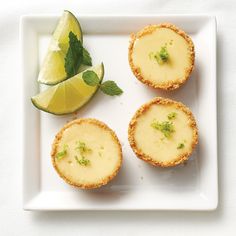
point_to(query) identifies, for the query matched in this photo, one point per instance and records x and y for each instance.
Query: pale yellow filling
(153, 143)
(179, 56)
(104, 156)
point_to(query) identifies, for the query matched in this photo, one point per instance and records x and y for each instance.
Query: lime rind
(52, 102)
(53, 71)
(80, 28)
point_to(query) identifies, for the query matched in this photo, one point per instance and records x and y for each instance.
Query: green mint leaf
(74, 55)
(87, 60)
(90, 78)
(111, 88)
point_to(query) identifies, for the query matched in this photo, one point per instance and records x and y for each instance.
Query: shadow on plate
(184, 177)
(113, 191)
(180, 94)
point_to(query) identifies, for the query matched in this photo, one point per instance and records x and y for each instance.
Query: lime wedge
(52, 70)
(69, 95)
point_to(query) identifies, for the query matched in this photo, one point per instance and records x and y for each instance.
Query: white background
(14, 221)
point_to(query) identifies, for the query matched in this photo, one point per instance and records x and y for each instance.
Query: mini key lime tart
(163, 132)
(161, 56)
(86, 153)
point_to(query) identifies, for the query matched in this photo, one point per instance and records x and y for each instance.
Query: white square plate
(138, 186)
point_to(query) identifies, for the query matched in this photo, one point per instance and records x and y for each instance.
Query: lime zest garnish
(83, 161)
(180, 146)
(161, 57)
(172, 116)
(163, 54)
(82, 148)
(62, 153)
(166, 127)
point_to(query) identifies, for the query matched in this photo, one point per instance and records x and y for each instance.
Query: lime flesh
(69, 95)
(52, 70)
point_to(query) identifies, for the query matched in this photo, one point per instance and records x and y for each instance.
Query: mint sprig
(109, 87)
(75, 56)
(90, 78)
(87, 60)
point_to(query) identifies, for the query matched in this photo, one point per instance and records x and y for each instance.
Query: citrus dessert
(86, 153)
(161, 56)
(163, 132)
